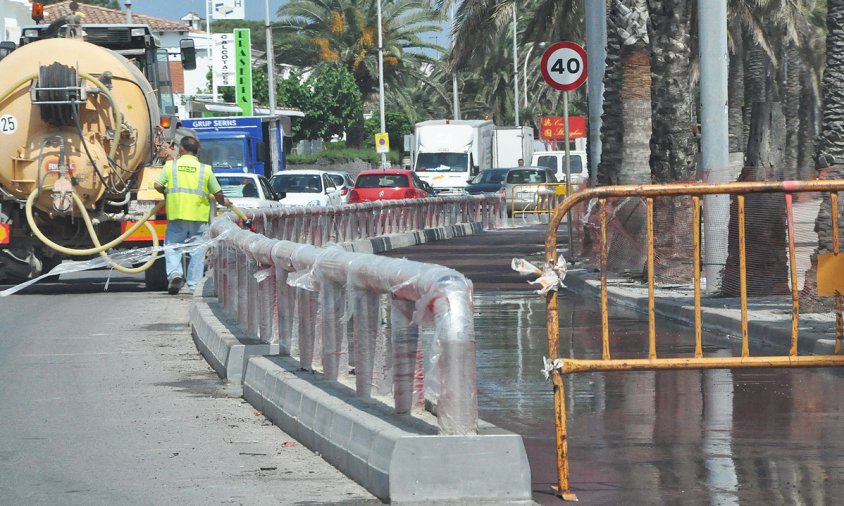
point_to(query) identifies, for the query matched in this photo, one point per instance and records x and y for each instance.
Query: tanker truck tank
(78, 125)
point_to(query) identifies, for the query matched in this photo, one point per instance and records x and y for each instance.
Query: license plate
(524, 195)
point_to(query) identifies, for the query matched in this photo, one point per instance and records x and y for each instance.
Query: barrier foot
(566, 496)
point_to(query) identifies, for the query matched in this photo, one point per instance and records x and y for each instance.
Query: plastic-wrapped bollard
(366, 318)
(307, 303)
(406, 352)
(332, 303)
(457, 406)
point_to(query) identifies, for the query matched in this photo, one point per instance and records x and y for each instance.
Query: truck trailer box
(511, 145)
(449, 152)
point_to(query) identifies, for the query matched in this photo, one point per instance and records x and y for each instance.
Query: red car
(387, 184)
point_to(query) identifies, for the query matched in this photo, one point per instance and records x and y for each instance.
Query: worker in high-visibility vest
(188, 186)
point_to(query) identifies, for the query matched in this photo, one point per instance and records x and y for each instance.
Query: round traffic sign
(564, 66)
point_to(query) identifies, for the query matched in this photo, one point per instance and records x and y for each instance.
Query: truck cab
(240, 143)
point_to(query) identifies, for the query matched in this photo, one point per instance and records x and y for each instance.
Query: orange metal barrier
(561, 366)
(535, 198)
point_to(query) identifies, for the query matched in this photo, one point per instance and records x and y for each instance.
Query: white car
(345, 183)
(247, 190)
(306, 188)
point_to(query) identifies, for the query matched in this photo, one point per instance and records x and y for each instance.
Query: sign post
(564, 68)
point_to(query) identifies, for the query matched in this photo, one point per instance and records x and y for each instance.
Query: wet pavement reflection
(757, 436)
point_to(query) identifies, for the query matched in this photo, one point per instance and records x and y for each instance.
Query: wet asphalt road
(763, 436)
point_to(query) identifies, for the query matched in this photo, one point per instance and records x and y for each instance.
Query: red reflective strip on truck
(4, 233)
(142, 234)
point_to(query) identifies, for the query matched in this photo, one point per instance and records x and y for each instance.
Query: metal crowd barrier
(535, 198)
(303, 297)
(560, 366)
(341, 224)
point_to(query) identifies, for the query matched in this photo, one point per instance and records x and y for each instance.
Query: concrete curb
(769, 319)
(390, 242)
(225, 346)
(397, 458)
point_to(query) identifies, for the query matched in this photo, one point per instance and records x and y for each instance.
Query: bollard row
(326, 306)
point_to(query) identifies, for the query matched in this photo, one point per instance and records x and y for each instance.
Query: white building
(13, 15)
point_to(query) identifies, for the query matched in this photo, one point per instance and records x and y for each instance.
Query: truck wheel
(155, 278)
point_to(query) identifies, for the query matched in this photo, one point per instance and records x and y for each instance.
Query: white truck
(556, 161)
(511, 145)
(449, 152)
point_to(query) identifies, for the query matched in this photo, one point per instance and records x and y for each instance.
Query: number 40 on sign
(564, 66)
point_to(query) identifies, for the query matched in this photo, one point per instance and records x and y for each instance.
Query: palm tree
(346, 31)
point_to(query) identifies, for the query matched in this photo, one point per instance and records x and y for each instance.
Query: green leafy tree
(329, 98)
(344, 31)
(397, 125)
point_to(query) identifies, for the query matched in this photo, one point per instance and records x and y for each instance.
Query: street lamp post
(381, 81)
(515, 67)
(270, 60)
(524, 74)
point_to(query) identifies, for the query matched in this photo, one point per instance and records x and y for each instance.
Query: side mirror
(280, 195)
(6, 47)
(188, 50)
(259, 152)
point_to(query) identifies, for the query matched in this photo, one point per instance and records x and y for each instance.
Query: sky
(170, 9)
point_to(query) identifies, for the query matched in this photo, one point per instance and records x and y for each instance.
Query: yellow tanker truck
(86, 121)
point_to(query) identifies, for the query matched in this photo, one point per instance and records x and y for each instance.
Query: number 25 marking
(8, 124)
(572, 66)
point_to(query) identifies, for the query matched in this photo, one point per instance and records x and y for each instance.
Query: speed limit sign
(564, 66)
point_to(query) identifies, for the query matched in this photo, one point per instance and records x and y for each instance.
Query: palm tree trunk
(735, 104)
(672, 143)
(765, 226)
(830, 148)
(612, 134)
(791, 103)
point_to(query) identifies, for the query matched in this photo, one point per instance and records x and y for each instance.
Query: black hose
(55, 84)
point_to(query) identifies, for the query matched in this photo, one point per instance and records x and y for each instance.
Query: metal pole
(596, 48)
(210, 46)
(515, 68)
(128, 12)
(455, 108)
(568, 165)
(381, 81)
(524, 74)
(712, 27)
(270, 60)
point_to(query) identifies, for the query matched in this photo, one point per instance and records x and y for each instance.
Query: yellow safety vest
(187, 195)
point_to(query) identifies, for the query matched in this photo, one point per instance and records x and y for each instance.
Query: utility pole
(381, 81)
(270, 60)
(210, 46)
(515, 67)
(455, 108)
(712, 27)
(596, 48)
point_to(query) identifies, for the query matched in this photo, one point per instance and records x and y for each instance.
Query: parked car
(247, 190)
(306, 188)
(388, 184)
(488, 181)
(345, 182)
(522, 185)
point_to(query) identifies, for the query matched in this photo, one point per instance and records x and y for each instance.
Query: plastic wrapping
(312, 293)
